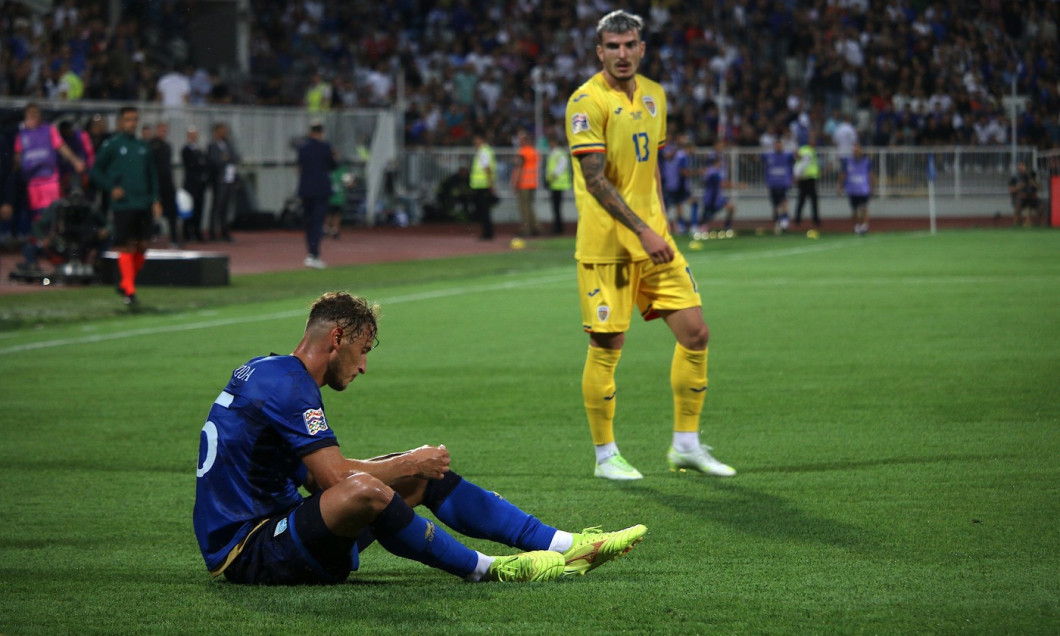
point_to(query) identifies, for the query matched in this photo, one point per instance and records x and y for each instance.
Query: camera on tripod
(70, 234)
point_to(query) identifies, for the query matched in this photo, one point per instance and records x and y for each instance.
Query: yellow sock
(688, 378)
(598, 391)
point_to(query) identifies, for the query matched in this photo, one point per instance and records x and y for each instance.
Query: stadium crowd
(908, 72)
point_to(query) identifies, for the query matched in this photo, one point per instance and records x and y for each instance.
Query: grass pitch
(889, 402)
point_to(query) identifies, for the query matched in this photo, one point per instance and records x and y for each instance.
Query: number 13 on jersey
(640, 144)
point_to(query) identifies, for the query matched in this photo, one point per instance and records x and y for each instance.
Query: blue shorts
(708, 211)
(675, 197)
(778, 195)
(296, 548)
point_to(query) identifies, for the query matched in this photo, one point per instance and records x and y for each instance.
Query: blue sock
(404, 533)
(481, 514)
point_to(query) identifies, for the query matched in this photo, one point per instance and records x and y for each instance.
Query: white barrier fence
(969, 181)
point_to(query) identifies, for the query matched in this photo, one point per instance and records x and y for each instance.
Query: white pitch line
(442, 293)
(224, 322)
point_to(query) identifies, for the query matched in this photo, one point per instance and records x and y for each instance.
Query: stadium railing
(970, 181)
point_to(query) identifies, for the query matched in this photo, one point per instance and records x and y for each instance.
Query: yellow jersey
(630, 134)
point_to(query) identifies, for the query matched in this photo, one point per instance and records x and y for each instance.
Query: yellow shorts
(609, 290)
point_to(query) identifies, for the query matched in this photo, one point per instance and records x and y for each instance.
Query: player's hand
(117, 193)
(431, 462)
(659, 251)
(79, 166)
(6, 211)
(156, 209)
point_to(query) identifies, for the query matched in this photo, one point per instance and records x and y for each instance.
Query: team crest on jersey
(649, 103)
(579, 123)
(602, 312)
(314, 421)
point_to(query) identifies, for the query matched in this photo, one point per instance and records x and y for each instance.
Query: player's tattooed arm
(596, 182)
(604, 191)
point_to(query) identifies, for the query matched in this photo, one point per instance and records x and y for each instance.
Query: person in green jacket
(124, 168)
(342, 181)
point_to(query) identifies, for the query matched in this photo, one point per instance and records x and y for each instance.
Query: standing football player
(616, 125)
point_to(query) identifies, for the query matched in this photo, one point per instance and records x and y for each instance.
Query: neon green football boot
(616, 467)
(592, 548)
(539, 565)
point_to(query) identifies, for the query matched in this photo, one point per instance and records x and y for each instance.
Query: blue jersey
(713, 198)
(673, 172)
(857, 176)
(268, 417)
(779, 166)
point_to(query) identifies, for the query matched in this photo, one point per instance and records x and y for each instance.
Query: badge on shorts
(579, 123)
(280, 527)
(602, 312)
(314, 421)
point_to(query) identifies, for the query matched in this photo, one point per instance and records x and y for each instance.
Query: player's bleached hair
(618, 22)
(353, 313)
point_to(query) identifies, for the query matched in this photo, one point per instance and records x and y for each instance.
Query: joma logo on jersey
(314, 421)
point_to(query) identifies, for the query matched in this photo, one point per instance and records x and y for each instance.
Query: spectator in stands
(201, 85)
(953, 60)
(173, 89)
(318, 95)
(70, 86)
(845, 137)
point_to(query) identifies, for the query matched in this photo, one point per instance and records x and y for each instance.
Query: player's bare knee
(696, 340)
(362, 492)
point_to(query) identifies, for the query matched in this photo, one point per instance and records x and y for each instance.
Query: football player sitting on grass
(267, 435)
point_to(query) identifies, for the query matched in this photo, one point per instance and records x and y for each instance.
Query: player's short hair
(353, 313)
(618, 22)
(127, 109)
